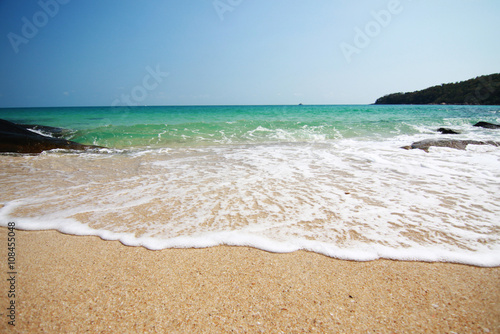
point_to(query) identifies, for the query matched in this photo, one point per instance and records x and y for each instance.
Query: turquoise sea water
(329, 179)
(212, 125)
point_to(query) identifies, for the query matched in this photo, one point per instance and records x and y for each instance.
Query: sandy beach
(74, 284)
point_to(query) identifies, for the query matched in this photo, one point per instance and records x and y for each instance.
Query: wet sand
(74, 284)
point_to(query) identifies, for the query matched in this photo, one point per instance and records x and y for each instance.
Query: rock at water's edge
(447, 131)
(16, 138)
(451, 143)
(487, 125)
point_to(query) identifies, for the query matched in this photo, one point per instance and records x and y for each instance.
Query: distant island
(483, 90)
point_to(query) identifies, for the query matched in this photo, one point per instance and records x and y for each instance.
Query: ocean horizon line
(245, 105)
(193, 105)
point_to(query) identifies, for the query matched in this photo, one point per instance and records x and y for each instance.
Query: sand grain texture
(71, 284)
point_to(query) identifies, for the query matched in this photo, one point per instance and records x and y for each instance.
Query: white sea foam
(39, 132)
(349, 199)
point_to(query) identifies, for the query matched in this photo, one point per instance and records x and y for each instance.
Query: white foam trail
(40, 132)
(349, 199)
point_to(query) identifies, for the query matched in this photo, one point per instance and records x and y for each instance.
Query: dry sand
(71, 284)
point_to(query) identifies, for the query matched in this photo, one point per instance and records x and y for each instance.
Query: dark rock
(447, 131)
(18, 139)
(451, 143)
(487, 125)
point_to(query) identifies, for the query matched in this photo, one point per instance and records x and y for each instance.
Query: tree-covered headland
(483, 90)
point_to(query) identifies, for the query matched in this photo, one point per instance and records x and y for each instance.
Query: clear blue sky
(98, 53)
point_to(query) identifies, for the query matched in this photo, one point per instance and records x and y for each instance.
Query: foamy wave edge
(236, 238)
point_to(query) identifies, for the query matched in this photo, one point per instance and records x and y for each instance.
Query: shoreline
(68, 283)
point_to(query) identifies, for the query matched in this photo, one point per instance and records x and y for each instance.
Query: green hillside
(483, 90)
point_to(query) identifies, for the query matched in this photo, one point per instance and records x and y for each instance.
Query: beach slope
(73, 284)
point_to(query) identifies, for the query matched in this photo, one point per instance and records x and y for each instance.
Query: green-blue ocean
(329, 179)
(133, 127)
